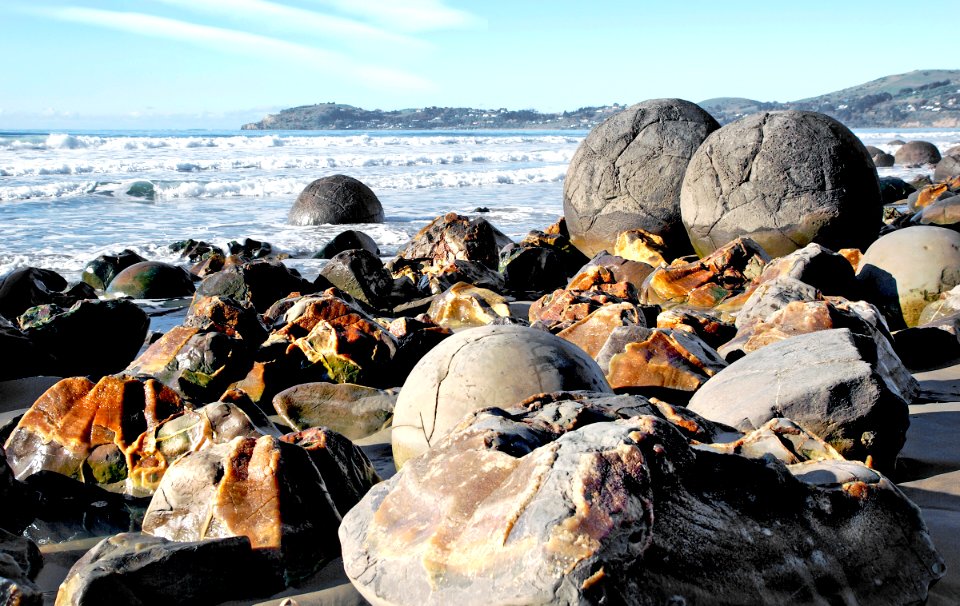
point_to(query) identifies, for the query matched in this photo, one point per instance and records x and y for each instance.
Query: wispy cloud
(281, 17)
(238, 42)
(408, 15)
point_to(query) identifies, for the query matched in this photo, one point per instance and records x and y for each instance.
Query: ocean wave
(41, 167)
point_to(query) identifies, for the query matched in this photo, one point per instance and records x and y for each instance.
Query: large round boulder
(152, 280)
(482, 367)
(907, 269)
(334, 200)
(626, 174)
(916, 153)
(784, 179)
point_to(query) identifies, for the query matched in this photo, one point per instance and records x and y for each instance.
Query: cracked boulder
(464, 305)
(360, 273)
(906, 270)
(783, 179)
(834, 383)
(260, 283)
(600, 500)
(453, 237)
(72, 419)
(264, 489)
(335, 200)
(480, 367)
(627, 172)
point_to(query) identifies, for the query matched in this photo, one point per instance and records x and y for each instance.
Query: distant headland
(921, 98)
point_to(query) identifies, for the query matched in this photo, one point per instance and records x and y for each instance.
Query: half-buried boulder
(336, 199)
(151, 280)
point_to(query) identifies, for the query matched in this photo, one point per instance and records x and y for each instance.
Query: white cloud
(279, 16)
(408, 15)
(232, 41)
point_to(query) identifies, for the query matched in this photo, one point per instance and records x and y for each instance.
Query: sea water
(67, 197)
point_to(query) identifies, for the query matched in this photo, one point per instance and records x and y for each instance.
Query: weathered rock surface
(783, 179)
(336, 199)
(558, 502)
(75, 416)
(829, 382)
(825, 270)
(347, 240)
(360, 274)
(355, 411)
(905, 270)
(627, 173)
(263, 489)
(453, 237)
(477, 368)
(139, 569)
(947, 168)
(708, 326)
(228, 316)
(20, 561)
(24, 288)
(590, 333)
(635, 358)
(151, 280)
(465, 306)
(643, 246)
(772, 296)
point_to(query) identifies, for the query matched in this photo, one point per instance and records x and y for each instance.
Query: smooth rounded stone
(928, 345)
(784, 179)
(415, 337)
(590, 333)
(558, 502)
(356, 411)
(264, 489)
(92, 337)
(825, 270)
(477, 368)
(947, 168)
(905, 270)
(451, 237)
(883, 160)
(917, 153)
(198, 364)
(873, 150)
(139, 569)
(896, 142)
(894, 189)
(106, 464)
(102, 270)
(635, 358)
(260, 283)
(945, 212)
(626, 174)
(360, 274)
(346, 471)
(152, 280)
(348, 240)
(829, 382)
(464, 305)
(24, 288)
(335, 200)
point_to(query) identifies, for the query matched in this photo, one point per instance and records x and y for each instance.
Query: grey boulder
(336, 199)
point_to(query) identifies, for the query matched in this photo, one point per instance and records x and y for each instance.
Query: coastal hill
(922, 98)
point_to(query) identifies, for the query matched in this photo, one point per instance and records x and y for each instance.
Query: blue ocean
(67, 197)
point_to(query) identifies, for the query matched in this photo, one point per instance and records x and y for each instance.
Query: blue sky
(220, 63)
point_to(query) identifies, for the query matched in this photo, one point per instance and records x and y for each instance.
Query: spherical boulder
(905, 270)
(481, 367)
(783, 179)
(152, 280)
(335, 200)
(916, 153)
(626, 174)
(883, 160)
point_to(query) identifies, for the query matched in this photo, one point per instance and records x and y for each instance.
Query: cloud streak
(238, 42)
(408, 15)
(279, 16)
